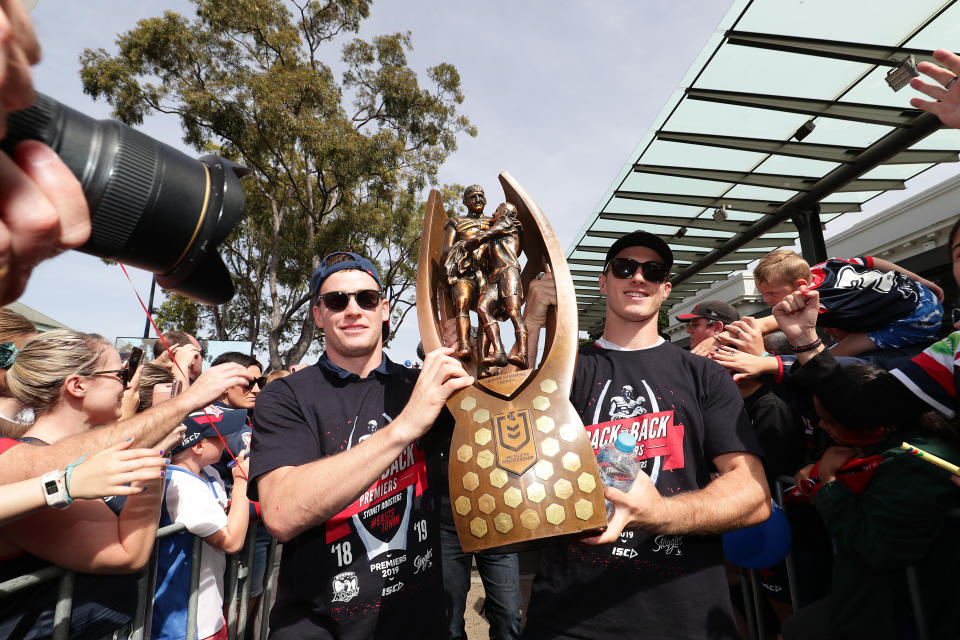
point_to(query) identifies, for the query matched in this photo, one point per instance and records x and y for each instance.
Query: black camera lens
(151, 206)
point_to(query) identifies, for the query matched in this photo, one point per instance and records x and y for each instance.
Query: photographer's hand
(19, 50)
(43, 211)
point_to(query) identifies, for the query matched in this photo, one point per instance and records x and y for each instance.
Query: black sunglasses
(624, 268)
(123, 375)
(261, 382)
(338, 300)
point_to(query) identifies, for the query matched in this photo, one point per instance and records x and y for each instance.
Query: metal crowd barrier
(753, 598)
(237, 618)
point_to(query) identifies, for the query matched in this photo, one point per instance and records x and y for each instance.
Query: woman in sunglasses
(74, 381)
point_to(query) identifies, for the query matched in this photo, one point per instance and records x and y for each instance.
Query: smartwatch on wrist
(55, 489)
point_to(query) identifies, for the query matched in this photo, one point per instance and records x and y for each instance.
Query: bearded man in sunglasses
(657, 570)
(346, 465)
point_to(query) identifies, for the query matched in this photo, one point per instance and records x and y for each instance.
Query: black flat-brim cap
(640, 239)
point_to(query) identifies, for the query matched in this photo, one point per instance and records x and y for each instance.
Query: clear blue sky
(560, 92)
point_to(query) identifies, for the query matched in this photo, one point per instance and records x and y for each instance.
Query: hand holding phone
(134, 360)
(165, 391)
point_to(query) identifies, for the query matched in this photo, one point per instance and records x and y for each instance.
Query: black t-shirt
(373, 570)
(685, 411)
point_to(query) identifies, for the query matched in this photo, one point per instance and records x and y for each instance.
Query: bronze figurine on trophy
(521, 465)
(481, 257)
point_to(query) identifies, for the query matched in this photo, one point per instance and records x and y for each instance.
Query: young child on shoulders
(195, 496)
(870, 302)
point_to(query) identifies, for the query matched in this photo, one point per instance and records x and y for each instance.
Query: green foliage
(663, 319)
(338, 164)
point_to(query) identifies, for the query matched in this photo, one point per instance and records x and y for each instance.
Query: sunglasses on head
(338, 300)
(260, 382)
(624, 268)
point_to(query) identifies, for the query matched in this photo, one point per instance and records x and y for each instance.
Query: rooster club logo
(346, 587)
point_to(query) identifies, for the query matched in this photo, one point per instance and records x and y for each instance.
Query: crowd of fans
(96, 455)
(853, 539)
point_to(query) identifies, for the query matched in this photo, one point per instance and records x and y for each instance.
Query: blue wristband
(68, 473)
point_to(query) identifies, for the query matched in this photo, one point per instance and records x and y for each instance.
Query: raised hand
(946, 97)
(110, 472)
(441, 376)
(797, 315)
(214, 382)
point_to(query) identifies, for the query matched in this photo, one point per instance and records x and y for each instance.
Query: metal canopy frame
(754, 154)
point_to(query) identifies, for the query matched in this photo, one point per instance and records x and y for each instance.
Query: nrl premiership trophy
(521, 464)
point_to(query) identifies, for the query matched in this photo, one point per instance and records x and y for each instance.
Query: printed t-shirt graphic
(858, 297)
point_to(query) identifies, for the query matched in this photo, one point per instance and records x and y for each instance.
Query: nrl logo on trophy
(521, 464)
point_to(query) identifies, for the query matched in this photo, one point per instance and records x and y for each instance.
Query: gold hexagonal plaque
(541, 403)
(562, 488)
(568, 432)
(586, 482)
(536, 492)
(486, 503)
(485, 459)
(583, 509)
(503, 523)
(571, 461)
(544, 470)
(482, 436)
(545, 424)
(464, 453)
(548, 386)
(530, 519)
(468, 403)
(481, 416)
(512, 497)
(478, 527)
(470, 481)
(498, 478)
(550, 447)
(463, 505)
(555, 513)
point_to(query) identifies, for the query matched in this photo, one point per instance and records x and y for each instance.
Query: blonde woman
(75, 382)
(15, 329)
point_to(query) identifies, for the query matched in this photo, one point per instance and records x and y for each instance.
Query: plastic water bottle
(618, 465)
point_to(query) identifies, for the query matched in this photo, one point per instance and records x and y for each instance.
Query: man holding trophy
(657, 570)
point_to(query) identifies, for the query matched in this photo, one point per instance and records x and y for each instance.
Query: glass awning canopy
(731, 138)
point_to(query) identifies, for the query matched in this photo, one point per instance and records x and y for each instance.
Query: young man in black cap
(346, 467)
(707, 320)
(657, 571)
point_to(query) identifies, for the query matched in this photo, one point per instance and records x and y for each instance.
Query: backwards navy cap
(355, 261)
(206, 422)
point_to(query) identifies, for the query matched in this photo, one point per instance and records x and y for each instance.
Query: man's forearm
(147, 429)
(303, 497)
(738, 498)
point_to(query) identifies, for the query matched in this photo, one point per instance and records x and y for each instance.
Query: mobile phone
(133, 361)
(955, 316)
(296, 367)
(165, 391)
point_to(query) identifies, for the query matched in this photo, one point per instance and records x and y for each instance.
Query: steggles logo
(516, 449)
